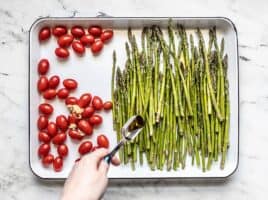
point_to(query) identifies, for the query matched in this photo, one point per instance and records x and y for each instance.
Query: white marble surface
(250, 18)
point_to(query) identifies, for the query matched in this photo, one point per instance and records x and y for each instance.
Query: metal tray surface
(93, 74)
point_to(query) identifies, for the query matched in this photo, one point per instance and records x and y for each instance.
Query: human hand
(88, 178)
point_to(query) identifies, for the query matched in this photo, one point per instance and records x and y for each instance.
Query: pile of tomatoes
(77, 125)
(77, 37)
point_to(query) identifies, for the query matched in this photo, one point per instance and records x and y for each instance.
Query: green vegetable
(181, 89)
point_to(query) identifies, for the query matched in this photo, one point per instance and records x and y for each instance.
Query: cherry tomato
(62, 52)
(88, 112)
(50, 94)
(43, 137)
(43, 66)
(52, 129)
(95, 30)
(85, 147)
(42, 122)
(44, 34)
(84, 100)
(65, 40)
(85, 127)
(106, 35)
(62, 122)
(71, 101)
(59, 138)
(70, 84)
(97, 46)
(108, 105)
(72, 119)
(47, 160)
(97, 103)
(103, 141)
(43, 149)
(57, 164)
(63, 93)
(54, 81)
(77, 31)
(95, 120)
(87, 40)
(74, 134)
(59, 31)
(78, 47)
(42, 84)
(45, 108)
(63, 150)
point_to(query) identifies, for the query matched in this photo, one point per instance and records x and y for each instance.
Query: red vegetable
(43, 137)
(97, 103)
(95, 30)
(44, 34)
(50, 94)
(52, 129)
(54, 81)
(45, 108)
(74, 134)
(42, 122)
(85, 147)
(62, 52)
(85, 127)
(84, 100)
(62, 122)
(72, 119)
(71, 101)
(65, 40)
(108, 105)
(87, 40)
(97, 46)
(88, 112)
(47, 160)
(106, 35)
(57, 164)
(43, 66)
(42, 84)
(78, 47)
(95, 120)
(59, 31)
(70, 84)
(63, 93)
(63, 150)
(77, 31)
(103, 141)
(43, 149)
(59, 138)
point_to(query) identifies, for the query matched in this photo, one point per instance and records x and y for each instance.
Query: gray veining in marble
(250, 17)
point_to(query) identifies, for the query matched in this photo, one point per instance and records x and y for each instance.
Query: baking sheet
(93, 74)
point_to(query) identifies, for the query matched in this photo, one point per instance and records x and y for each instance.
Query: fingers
(103, 167)
(99, 154)
(115, 161)
(93, 159)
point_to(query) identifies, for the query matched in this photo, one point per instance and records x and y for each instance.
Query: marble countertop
(250, 17)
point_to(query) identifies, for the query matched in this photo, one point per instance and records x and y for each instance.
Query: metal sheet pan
(94, 74)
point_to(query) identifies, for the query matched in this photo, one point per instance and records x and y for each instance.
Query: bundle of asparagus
(182, 92)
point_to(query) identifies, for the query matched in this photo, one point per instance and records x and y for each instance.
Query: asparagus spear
(205, 57)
